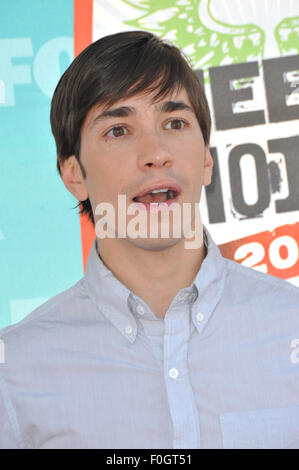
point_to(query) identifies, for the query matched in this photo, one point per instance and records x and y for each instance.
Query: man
(158, 345)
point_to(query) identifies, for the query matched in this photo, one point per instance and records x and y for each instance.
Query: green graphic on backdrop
(185, 21)
(287, 35)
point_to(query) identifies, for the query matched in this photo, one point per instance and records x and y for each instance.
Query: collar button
(140, 310)
(199, 317)
(129, 330)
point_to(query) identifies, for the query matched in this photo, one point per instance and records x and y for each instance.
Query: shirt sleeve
(10, 437)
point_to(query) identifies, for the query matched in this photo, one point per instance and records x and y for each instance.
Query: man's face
(138, 144)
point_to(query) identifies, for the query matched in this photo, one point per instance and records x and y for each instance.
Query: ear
(208, 166)
(72, 177)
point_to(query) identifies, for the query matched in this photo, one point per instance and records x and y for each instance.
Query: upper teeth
(163, 190)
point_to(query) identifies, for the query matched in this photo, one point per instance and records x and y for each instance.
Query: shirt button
(199, 317)
(140, 309)
(173, 373)
(129, 330)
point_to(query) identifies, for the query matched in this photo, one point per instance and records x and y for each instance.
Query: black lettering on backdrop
(268, 180)
(263, 187)
(214, 193)
(278, 87)
(223, 96)
(289, 147)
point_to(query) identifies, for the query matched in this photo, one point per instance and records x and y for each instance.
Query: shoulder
(257, 287)
(253, 275)
(51, 311)
(32, 354)
(35, 346)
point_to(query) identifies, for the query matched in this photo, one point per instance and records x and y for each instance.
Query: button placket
(178, 385)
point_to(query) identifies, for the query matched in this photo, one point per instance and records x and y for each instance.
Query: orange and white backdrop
(245, 52)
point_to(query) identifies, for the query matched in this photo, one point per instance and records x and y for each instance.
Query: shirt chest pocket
(271, 428)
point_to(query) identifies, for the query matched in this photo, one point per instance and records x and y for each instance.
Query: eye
(176, 124)
(116, 131)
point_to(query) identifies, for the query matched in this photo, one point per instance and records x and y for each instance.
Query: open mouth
(157, 196)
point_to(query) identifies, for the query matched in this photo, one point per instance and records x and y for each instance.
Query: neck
(156, 276)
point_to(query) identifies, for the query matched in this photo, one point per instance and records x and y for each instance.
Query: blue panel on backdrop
(40, 244)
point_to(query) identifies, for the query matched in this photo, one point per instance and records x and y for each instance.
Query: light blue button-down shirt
(95, 368)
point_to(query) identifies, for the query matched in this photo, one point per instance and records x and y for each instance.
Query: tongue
(158, 197)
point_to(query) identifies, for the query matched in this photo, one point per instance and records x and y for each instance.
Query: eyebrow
(125, 111)
(170, 106)
(122, 111)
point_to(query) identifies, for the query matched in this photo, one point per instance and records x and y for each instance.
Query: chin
(154, 244)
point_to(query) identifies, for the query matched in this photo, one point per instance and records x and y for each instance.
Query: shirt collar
(121, 306)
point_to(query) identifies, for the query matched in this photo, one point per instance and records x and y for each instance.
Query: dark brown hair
(115, 67)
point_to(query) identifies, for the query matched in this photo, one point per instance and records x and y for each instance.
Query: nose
(153, 152)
